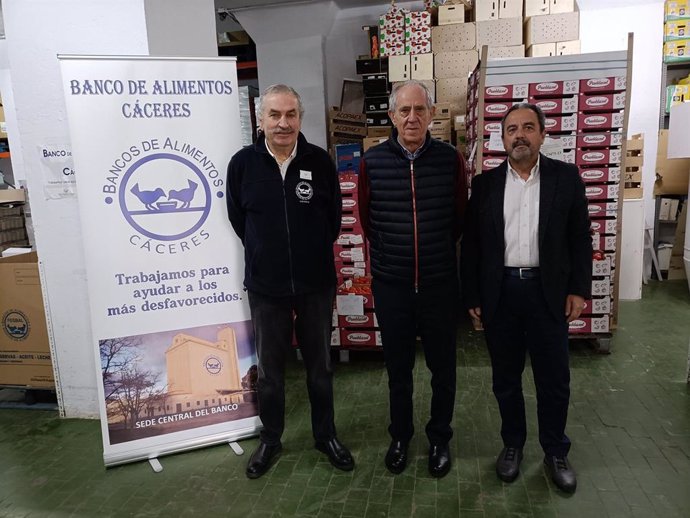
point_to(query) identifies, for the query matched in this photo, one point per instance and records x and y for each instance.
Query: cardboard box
(540, 50)
(561, 123)
(454, 37)
(12, 196)
(360, 338)
(600, 121)
(455, 64)
(378, 131)
(601, 287)
(597, 306)
(602, 192)
(510, 9)
(442, 111)
(558, 106)
(371, 142)
(399, 68)
(598, 156)
(602, 102)
(448, 14)
(674, 9)
(554, 88)
(503, 32)
(603, 85)
(676, 94)
(600, 174)
(24, 348)
(506, 92)
(537, 7)
(551, 28)
(604, 226)
(368, 320)
(422, 65)
(509, 51)
(586, 325)
(600, 140)
(561, 6)
(566, 48)
(486, 10)
(602, 209)
(676, 29)
(671, 173)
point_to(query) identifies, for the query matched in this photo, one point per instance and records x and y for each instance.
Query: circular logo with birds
(213, 365)
(304, 191)
(164, 196)
(15, 324)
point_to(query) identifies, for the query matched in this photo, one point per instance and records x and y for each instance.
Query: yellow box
(677, 50)
(674, 9)
(676, 30)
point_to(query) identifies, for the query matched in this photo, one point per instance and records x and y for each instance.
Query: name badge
(304, 175)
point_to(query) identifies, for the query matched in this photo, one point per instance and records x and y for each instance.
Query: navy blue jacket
(411, 211)
(287, 228)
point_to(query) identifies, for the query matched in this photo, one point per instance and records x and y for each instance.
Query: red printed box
(350, 238)
(488, 151)
(588, 157)
(604, 243)
(602, 192)
(568, 156)
(600, 121)
(554, 106)
(600, 174)
(360, 338)
(601, 287)
(496, 110)
(554, 88)
(349, 254)
(349, 202)
(422, 46)
(599, 140)
(367, 320)
(418, 33)
(351, 221)
(491, 162)
(603, 84)
(348, 183)
(604, 226)
(561, 123)
(506, 92)
(492, 127)
(597, 306)
(601, 267)
(564, 141)
(602, 102)
(347, 270)
(589, 325)
(602, 209)
(418, 19)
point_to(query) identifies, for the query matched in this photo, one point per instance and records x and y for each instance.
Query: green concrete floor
(629, 422)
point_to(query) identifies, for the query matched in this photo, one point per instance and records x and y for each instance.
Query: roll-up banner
(172, 336)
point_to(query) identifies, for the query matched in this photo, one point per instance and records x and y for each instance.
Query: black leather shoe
(396, 457)
(337, 454)
(508, 464)
(262, 459)
(439, 460)
(561, 472)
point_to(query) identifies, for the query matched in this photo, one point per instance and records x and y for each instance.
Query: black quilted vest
(411, 213)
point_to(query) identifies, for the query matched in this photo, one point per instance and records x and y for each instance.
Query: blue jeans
(274, 319)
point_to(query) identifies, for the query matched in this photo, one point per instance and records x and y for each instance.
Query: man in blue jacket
(284, 204)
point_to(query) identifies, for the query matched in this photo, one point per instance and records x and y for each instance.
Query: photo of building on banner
(172, 335)
(177, 380)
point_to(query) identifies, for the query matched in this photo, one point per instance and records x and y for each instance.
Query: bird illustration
(148, 198)
(184, 195)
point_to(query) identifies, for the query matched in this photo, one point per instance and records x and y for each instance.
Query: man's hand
(476, 316)
(574, 304)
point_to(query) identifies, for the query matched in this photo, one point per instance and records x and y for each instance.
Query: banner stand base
(156, 466)
(236, 448)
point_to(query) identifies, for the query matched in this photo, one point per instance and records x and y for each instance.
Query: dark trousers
(431, 314)
(522, 324)
(273, 319)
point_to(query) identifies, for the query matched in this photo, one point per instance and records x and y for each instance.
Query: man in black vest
(412, 195)
(284, 204)
(526, 268)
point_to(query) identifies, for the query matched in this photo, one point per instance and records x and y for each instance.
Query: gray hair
(525, 106)
(393, 99)
(279, 89)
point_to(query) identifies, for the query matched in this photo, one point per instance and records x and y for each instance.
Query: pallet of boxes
(354, 320)
(632, 168)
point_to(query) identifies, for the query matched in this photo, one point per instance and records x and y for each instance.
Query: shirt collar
(533, 174)
(289, 158)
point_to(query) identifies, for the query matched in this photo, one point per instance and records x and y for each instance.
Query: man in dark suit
(526, 266)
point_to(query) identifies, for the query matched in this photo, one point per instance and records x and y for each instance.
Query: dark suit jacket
(565, 244)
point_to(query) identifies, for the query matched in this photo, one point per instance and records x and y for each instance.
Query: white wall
(599, 33)
(168, 24)
(68, 27)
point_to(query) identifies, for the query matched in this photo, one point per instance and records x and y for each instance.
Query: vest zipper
(414, 220)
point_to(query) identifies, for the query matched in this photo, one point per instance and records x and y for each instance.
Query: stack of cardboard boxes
(676, 26)
(345, 127)
(632, 175)
(552, 27)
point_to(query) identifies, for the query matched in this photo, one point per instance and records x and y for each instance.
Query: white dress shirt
(284, 165)
(521, 217)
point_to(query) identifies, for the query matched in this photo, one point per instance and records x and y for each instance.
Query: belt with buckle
(521, 273)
